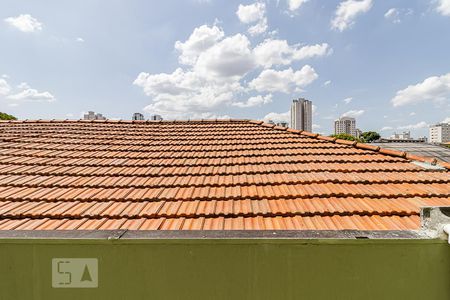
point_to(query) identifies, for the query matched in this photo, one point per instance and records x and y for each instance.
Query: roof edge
(123, 121)
(358, 145)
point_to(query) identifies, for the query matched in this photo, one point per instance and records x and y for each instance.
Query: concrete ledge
(210, 234)
(433, 220)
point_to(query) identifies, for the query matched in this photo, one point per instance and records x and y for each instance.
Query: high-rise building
(345, 125)
(156, 118)
(440, 133)
(138, 117)
(301, 114)
(93, 116)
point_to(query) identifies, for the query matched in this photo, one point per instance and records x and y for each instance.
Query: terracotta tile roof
(216, 174)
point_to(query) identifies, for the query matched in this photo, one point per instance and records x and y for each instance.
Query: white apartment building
(93, 116)
(345, 125)
(440, 133)
(138, 117)
(156, 118)
(301, 114)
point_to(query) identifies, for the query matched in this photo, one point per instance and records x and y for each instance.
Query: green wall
(233, 269)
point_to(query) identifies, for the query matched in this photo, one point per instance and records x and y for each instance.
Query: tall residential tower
(345, 125)
(301, 114)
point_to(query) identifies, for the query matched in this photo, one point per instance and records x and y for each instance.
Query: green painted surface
(233, 269)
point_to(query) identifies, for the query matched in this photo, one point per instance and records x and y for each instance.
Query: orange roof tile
(210, 175)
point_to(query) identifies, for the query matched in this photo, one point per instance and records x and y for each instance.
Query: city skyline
(239, 59)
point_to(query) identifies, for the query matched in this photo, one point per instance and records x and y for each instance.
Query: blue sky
(385, 62)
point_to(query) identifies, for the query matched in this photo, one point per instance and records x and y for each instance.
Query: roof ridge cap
(358, 145)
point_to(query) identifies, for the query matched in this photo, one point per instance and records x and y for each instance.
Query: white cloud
(279, 52)
(25, 23)
(208, 115)
(316, 126)
(347, 11)
(5, 88)
(23, 86)
(183, 94)
(80, 40)
(386, 128)
(254, 101)
(432, 89)
(412, 114)
(230, 58)
(414, 126)
(295, 4)
(23, 93)
(312, 51)
(259, 28)
(219, 70)
(353, 113)
(278, 117)
(252, 13)
(393, 15)
(446, 120)
(327, 83)
(215, 67)
(201, 39)
(284, 81)
(348, 100)
(443, 7)
(32, 95)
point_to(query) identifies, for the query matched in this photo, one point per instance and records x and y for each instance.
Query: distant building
(156, 118)
(301, 114)
(440, 133)
(93, 116)
(404, 137)
(138, 117)
(345, 125)
(283, 124)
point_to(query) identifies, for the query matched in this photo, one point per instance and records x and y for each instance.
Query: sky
(387, 63)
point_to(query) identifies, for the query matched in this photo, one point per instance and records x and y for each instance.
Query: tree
(345, 136)
(370, 136)
(5, 116)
